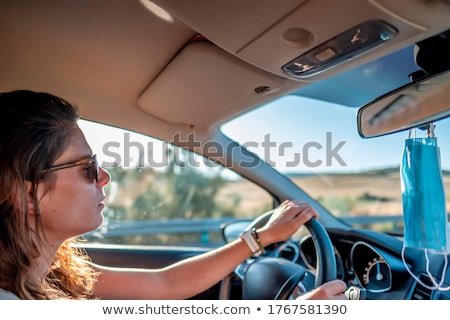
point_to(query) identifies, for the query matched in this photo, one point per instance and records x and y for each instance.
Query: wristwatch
(252, 240)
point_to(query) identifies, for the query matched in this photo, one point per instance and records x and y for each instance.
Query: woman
(52, 190)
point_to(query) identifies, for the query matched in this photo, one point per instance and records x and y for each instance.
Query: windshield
(316, 144)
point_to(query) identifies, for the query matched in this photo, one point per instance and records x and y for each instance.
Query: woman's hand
(331, 290)
(286, 219)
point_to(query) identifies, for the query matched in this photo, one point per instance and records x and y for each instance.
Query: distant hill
(371, 172)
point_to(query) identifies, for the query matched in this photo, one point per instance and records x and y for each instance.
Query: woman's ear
(32, 209)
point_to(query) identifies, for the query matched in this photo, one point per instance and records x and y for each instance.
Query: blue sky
(302, 120)
(300, 124)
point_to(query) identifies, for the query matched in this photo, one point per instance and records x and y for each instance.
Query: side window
(158, 196)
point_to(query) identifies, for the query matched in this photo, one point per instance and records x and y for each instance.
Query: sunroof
(367, 82)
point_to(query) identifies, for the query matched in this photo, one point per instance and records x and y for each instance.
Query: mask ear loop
(436, 286)
(444, 268)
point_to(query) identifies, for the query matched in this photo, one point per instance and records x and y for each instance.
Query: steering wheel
(270, 278)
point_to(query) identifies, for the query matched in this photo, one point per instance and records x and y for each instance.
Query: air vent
(420, 292)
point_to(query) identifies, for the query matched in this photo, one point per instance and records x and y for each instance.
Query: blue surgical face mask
(423, 196)
(424, 202)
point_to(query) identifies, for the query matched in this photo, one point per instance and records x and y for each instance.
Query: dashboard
(379, 264)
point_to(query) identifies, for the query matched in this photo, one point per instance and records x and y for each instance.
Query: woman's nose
(103, 177)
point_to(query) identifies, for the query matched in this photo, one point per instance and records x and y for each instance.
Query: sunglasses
(91, 169)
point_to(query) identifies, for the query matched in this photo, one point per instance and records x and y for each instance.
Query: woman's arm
(194, 275)
(177, 281)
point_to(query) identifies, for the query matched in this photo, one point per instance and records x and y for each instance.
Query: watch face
(250, 240)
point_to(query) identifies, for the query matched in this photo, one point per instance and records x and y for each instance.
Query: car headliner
(140, 65)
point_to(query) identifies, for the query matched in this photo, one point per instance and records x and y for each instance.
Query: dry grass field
(373, 193)
(379, 193)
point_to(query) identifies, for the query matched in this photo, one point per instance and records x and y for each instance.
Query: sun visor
(209, 84)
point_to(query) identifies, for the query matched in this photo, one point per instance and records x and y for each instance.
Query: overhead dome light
(341, 48)
(157, 11)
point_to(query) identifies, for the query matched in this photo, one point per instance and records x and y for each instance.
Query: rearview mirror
(413, 105)
(426, 99)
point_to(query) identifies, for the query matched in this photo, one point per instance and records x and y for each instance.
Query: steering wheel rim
(326, 268)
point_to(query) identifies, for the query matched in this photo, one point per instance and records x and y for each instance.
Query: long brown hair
(35, 128)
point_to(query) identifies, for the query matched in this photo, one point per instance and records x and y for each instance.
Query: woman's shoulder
(6, 295)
